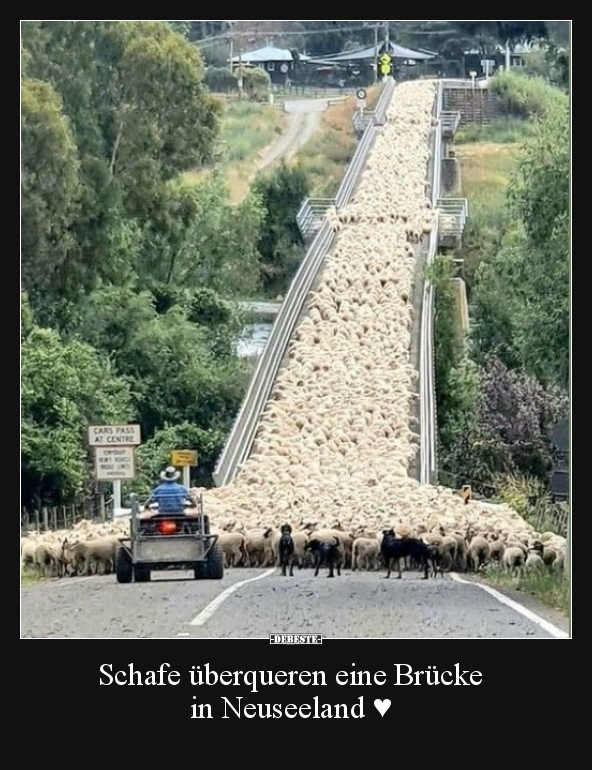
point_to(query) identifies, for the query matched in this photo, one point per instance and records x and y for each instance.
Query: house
(361, 63)
(277, 62)
(486, 64)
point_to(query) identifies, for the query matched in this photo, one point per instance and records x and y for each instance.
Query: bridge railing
(427, 384)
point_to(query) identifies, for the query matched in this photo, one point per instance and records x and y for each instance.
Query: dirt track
(304, 119)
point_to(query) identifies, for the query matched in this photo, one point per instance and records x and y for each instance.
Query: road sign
(361, 93)
(115, 463)
(385, 64)
(184, 457)
(114, 435)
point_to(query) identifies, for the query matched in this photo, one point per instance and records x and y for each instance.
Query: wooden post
(37, 520)
(45, 519)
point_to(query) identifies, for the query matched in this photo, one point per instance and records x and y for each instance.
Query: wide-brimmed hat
(170, 474)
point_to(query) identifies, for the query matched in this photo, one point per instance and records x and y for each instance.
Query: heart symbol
(382, 706)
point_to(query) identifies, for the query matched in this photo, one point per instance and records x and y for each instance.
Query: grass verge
(486, 169)
(29, 577)
(552, 588)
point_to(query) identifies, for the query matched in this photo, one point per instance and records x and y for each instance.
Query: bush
(221, 80)
(256, 82)
(280, 242)
(526, 96)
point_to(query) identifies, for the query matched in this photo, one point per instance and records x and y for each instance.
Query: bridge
(316, 220)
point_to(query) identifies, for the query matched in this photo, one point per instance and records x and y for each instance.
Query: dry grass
(326, 156)
(486, 168)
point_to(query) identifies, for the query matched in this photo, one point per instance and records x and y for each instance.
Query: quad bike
(168, 542)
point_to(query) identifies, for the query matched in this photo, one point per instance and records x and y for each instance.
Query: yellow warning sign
(385, 63)
(184, 457)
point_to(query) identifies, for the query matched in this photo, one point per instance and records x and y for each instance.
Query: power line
(262, 33)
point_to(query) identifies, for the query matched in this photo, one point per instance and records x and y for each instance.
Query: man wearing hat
(170, 496)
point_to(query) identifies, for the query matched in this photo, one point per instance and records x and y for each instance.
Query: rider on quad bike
(171, 497)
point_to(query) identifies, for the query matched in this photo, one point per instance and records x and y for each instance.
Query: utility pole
(376, 54)
(240, 71)
(230, 23)
(387, 36)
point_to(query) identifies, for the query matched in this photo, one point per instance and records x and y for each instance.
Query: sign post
(114, 455)
(361, 96)
(185, 459)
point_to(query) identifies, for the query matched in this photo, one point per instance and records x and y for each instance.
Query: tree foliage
(111, 111)
(50, 191)
(197, 238)
(523, 292)
(282, 194)
(65, 386)
(498, 425)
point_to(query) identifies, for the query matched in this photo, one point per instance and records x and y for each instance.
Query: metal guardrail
(311, 215)
(242, 435)
(450, 123)
(427, 386)
(453, 215)
(360, 120)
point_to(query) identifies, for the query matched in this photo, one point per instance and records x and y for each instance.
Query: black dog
(286, 550)
(393, 548)
(325, 554)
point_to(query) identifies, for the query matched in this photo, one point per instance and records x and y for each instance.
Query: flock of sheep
(337, 437)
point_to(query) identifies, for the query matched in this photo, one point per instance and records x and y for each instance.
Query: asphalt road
(355, 605)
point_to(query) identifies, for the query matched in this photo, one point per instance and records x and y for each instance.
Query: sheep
(91, 557)
(259, 547)
(479, 553)
(534, 561)
(233, 547)
(514, 559)
(365, 553)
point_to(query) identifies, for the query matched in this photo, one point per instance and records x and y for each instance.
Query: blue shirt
(170, 497)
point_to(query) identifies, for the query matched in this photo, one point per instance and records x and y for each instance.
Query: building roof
(363, 54)
(268, 53)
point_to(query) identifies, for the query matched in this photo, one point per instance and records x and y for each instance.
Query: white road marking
(208, 611)
(544, 624)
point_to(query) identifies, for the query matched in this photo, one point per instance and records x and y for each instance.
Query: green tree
(50, 194)
(181, 27)
(177, 373)
(65, 386)
(139, 114)
(256, 82)
(522, 293)
(197, 238)
(280, 242)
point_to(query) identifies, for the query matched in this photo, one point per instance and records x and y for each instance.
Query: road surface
(252, 603)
